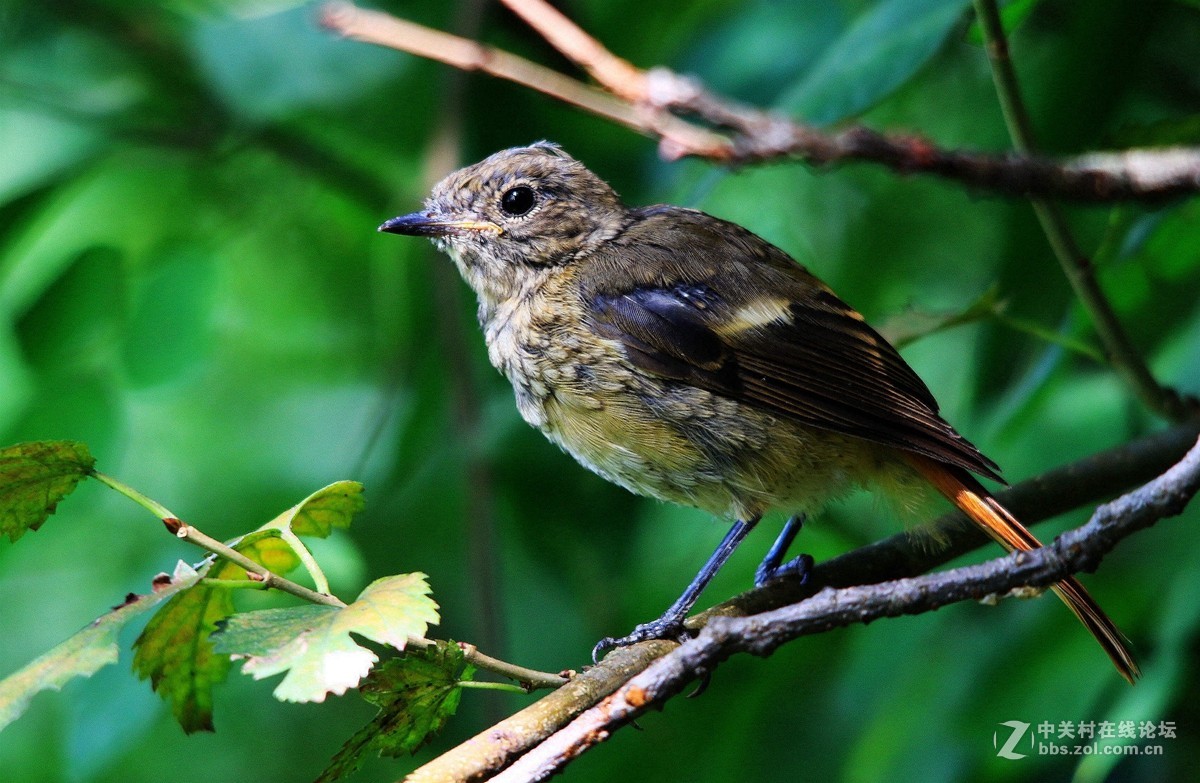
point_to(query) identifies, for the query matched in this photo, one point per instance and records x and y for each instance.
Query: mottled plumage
(685, 358)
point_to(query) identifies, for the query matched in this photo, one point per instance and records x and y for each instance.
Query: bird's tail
(969, 495)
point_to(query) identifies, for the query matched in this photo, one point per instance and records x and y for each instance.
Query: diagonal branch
(656, 101)
(383, 29)
(1074, 551)
(1081, 483)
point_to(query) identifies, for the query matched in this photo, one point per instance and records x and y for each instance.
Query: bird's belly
(686, 445)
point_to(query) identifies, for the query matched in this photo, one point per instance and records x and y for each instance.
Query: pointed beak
(419, 224)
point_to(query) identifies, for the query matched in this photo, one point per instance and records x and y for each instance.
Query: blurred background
(192, 284)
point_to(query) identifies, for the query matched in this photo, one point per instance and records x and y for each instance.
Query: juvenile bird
(682, 357)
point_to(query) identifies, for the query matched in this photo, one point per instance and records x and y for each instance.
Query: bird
(685, 358)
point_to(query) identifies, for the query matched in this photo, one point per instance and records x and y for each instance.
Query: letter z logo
(1007, 751)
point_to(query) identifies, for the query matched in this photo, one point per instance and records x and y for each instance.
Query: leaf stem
(306, 559)
(234, 584)
(483, 685)
(263, 575)
(530, 679)
(153, 506)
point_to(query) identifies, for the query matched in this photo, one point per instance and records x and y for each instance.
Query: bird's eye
(518, 201)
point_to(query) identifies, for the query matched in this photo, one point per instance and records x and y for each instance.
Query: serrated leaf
(392, 609)
(303, 641)
(313, 643)
(87, 651)
(34, 477)
(416, 695)
(175, 650)
(318, 514)
(175, 654)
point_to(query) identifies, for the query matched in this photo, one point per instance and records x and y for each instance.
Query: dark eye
(518, 201)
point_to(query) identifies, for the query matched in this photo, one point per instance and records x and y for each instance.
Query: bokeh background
(191, 283)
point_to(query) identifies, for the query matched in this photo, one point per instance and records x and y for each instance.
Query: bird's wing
(706, 302)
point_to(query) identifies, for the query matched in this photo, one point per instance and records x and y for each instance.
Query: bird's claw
(663, 628)
(798, 568)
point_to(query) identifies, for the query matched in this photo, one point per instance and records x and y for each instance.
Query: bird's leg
(670, 625)
(796, 568)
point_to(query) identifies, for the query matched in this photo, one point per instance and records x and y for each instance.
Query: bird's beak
(419, 224)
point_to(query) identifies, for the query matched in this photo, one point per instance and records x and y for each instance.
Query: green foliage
(191, 283)
(415, 694)
(34, 477)
(175, 654)
(877, 53)
(327, 509)
(90, 649)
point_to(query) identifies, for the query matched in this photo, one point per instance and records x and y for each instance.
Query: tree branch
(1122, 353)
(383, 29)
(652, 102)
(1089, 480)
(1078, 550)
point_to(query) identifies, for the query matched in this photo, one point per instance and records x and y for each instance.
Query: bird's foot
(797, 569)
(666, 627)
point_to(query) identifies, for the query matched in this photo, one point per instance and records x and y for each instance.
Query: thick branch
(1087, 481)
(1078, 550)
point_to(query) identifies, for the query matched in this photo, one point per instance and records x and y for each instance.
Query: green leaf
(175, 653)
(175, 650)
(87, 651)
(318, 514)
(266, 548)
(34, 477)
(416, 695)
(879, 52)
(313, 644)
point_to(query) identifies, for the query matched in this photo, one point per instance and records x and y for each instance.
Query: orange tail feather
(994, 519)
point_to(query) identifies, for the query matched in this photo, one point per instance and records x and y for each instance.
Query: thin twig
(1080, 272)
(265, 578)
(528, 679)
(1077, 550)
(619, 76)
(648, 101)
(383, 29)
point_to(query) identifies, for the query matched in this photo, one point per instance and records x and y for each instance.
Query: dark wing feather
(680, 311)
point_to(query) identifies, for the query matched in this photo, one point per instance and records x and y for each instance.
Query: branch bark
(1086, 481)
(1081, 549)
(658, 102)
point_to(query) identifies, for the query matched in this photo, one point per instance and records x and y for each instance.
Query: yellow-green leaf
(303, 641)
(318, 514)
(392, 609)
(34, 477)
(313, 644)
(87, 651)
